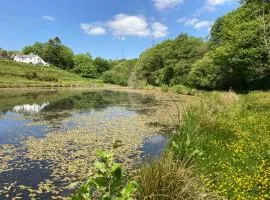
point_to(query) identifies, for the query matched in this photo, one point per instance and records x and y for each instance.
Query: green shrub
(108, 181)
(181, 89)
(164, 88)
(120, 73)
(31, 75)
(48, 78)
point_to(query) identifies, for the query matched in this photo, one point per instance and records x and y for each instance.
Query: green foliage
(101, 64)
(170, 60)
(108, 182)
(228, 139)
(44, 77)
(14, 74)
(84, 66)
(3, 53)
(239, 55)
(53, 52)
(166, 74)
(172, 177)
(205, 74)
(164, 88)
(181, 89)
(120, 73)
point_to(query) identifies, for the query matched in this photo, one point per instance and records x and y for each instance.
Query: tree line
(236, 55)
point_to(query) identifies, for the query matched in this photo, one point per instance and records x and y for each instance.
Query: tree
(239, 50)
(3, 53)
(53, 52)
(101, 64)
(170, 61)
(120, 73)
(84, 66)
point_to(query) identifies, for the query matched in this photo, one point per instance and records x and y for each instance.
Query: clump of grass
(164, 88)
(170, 178)
(30, 75)
(44, 77)
(181, 89)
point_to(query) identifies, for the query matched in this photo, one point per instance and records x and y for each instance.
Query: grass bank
(221, 151)
(13, 74)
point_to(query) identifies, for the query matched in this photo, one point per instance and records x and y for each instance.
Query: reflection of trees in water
(63, 103)
(10, 99)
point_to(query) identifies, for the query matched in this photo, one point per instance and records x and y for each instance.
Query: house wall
(33, 59)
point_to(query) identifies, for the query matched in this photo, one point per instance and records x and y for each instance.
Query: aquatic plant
(108, 181)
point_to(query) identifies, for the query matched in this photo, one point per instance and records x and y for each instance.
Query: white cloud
(216, 2)
(159, 30)
(210, 6)
(123, 26)
(203, 25)
(166, 4)
(196, 23)
(181, 20)
(91, 29)
(191, 22)
(126, 25)
(48, 18)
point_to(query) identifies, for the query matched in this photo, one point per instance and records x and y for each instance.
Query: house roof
(27, 56)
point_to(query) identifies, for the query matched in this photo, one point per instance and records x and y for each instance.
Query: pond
(48, 137)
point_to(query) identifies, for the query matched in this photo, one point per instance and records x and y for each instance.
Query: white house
(27, 108)
(32, 58)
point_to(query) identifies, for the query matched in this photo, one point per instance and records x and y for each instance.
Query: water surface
(48, 138)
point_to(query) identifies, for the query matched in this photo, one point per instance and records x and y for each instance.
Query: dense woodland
(236, 55)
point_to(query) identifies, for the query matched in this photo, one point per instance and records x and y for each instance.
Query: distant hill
(14, 74)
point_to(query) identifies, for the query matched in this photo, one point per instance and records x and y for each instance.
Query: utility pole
(153, 41)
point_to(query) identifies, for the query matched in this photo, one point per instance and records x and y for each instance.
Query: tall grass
(227, 137)
(170, 178)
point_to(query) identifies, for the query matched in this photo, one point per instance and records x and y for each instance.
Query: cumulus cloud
(166, 4)
(126, 25)
(181, 20)
(91, 29)
(203, 25)
(210, 6)
(216, 2)
(196, 23)
(159, 30)
(122, 26)
(191, 22)
(48, 18)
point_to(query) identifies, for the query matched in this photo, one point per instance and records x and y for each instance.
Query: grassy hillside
(13, 74)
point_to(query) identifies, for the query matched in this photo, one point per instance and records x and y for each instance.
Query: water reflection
(27, 108)
(35, 113)
(56, 132)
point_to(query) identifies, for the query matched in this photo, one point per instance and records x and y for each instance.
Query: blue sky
(107, 28)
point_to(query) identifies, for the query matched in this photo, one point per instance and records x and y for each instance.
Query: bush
(164, 88)
(47, 77)
(31, 75)
(120, 73)
(181, 89)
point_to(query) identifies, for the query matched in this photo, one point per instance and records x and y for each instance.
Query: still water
(48, 137)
